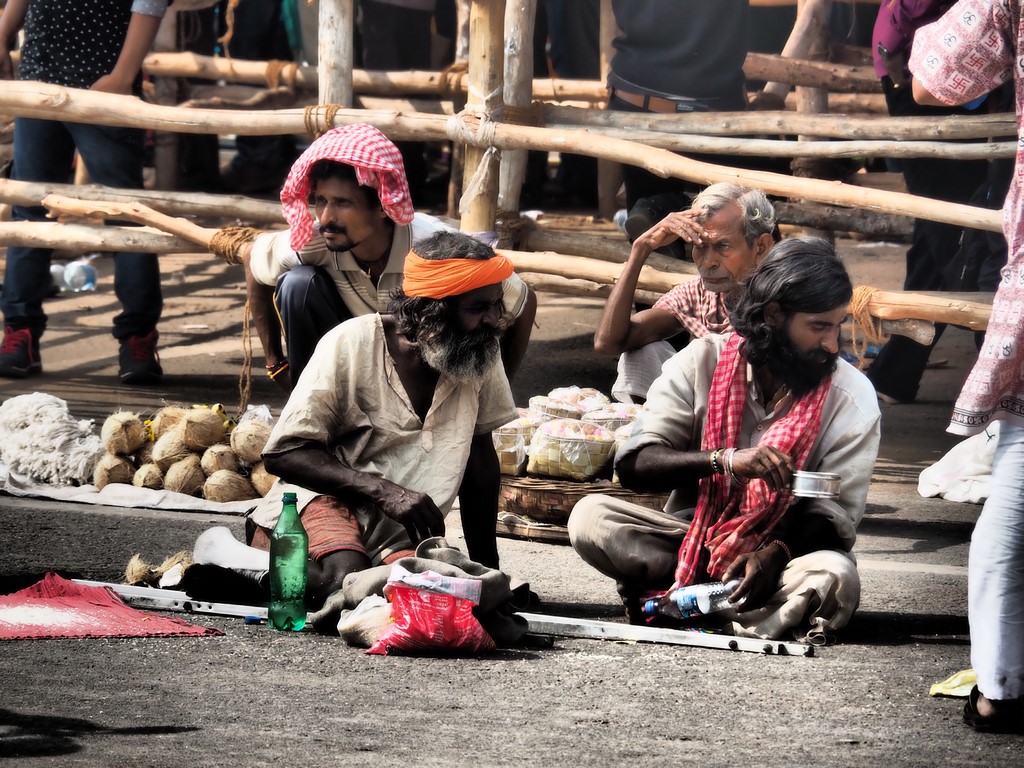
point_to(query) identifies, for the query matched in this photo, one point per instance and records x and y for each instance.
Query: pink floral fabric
(966, 53)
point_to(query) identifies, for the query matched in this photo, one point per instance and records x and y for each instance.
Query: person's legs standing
(43, 151)
(995, 575)
(114, 157)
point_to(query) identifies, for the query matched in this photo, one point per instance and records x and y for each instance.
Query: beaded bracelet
(783, 546)
(716, 465)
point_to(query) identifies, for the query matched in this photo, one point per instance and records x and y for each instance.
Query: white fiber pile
(41, 441)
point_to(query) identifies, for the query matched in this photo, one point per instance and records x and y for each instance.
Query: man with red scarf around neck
(725, 426)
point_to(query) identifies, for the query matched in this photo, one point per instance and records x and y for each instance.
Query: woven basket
(611, 417)
(551, 501)
(570, 449)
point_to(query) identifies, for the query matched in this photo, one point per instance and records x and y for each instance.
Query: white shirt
(350, 400)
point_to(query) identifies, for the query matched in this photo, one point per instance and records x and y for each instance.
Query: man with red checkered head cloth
(344, 258)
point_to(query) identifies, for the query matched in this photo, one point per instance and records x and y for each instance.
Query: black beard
(801, 372)
(462, 356)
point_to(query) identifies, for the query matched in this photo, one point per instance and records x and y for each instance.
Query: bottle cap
(650, 607)
(289, 496)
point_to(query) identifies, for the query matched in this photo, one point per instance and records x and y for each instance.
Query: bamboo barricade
(48, 101)
(166, 234)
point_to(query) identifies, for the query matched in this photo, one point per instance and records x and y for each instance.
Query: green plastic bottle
(289, 550)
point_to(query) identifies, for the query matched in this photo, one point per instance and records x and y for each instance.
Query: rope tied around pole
(450, 82)
(278, 70)
(459, 130)
(863, 322)
(317, 124)
(227, 242)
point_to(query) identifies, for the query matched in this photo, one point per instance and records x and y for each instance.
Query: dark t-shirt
(682, 48)
(73, 42)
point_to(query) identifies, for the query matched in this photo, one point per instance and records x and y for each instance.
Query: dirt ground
(256, 697)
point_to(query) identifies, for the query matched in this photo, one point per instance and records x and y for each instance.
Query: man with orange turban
(392, 421)
(346, 259)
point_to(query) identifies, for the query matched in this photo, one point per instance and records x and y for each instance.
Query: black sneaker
(139, 361)
(19, 354)
(648, 211)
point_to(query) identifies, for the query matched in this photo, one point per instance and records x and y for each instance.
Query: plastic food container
(816, 485)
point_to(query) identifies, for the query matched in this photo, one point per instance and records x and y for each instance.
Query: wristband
(728, 463)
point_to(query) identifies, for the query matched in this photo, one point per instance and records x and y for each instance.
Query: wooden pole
(967, 310)
(478, 207)
(173, 203)
(758, 66)
(335, 52)
(165, 143)
(609, 174)
(48, 101)
(519, 22)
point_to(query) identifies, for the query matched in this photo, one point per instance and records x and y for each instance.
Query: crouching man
(725, 426)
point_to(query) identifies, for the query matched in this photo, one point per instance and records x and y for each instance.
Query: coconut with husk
(200, 428)
(167, 419)
(112, 469)
(185, 476)
(228, 485)
(123, 433)
(145, 453)
(262, 480)
(169, 449)
(148, 476)
(219, 456)
(248, 440)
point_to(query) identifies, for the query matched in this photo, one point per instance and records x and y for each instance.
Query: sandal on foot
(1010, 721)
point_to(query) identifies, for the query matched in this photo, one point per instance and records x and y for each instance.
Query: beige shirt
(847, 444)
(272, 256)
(350, 400)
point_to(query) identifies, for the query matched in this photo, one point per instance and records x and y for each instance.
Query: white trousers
(995, 574)
(817, 593)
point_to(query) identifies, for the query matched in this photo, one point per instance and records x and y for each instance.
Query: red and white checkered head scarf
(377, 162)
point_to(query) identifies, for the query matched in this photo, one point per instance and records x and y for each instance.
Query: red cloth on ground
(730, 521)
(56, 608)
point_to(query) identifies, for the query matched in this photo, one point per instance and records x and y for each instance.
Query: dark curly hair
(423, 319)
(801, 274)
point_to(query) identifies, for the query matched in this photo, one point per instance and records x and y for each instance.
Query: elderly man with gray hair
(729, 228)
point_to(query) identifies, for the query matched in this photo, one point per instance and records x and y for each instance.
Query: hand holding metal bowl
(815, 485)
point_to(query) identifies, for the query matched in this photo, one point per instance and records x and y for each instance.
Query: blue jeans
(309, 305)
(43, 152)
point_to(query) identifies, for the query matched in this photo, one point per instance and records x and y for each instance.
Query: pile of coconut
(187, 450)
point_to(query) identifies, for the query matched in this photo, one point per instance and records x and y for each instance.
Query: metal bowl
(816, 485)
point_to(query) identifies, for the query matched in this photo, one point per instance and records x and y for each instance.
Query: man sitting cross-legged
(730, 229)
(390, 421)
(725, 426)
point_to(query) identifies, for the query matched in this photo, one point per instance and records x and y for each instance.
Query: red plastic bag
(424, 622)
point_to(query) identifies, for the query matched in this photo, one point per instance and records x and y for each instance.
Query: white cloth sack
(965, 472)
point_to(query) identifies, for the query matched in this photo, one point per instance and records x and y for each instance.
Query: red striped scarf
(730, 519)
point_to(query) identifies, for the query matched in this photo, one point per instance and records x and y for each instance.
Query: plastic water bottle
(289, 550)
(80, 275)
(694, 600)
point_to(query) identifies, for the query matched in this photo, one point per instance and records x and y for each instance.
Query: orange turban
(438, 279)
